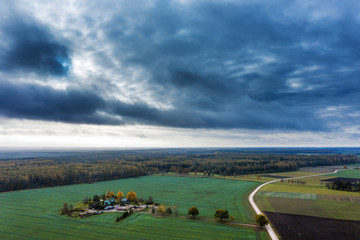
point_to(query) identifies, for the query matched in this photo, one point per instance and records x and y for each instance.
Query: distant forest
(16, 174)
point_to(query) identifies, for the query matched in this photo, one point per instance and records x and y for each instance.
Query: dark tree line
(240, 163)
(41, 172)
(23, 174)
(343, 186)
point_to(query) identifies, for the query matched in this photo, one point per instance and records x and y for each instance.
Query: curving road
(268, 227)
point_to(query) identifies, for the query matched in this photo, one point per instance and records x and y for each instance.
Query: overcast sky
(179, 73)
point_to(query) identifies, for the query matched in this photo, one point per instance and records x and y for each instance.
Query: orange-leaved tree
(131, 196)
(111, 194)
(120, 195)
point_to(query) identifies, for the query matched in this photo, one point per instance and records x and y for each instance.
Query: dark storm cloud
(212, 60)
(213, 64)
(31, 47)
(31, 101)
(44, 103)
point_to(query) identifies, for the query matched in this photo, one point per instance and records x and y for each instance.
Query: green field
(34, 213)
(271, 176)
(312, 198)
(313, 186)
(322, 169)
(316, 208)
(349, 173)
(288, 195)
(293, 174)
(339, 198)
(138, 226)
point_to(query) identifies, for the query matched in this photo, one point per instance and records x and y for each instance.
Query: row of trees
(296, 181)
(97, 201)
(222, 214)
(124, 215)
(110, 194)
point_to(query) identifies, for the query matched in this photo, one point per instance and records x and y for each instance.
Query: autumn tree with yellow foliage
(131, 196)
(111, 194)
(161, 209)
(120, 195)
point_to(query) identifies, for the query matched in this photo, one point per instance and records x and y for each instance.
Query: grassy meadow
(313, 185)
(316, 208)
(349, 173)
(311, 196)
(293, 174)
(34, 213)
(138, 226)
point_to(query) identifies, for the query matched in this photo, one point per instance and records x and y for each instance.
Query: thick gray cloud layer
(32, 48)
(201, 64)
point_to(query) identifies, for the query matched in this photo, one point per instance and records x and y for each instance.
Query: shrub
(221, 214)
(261, 220)
(168, 211)
(193, 211)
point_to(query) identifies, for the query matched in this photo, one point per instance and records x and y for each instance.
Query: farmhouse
(109, 202)
(124, 201)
